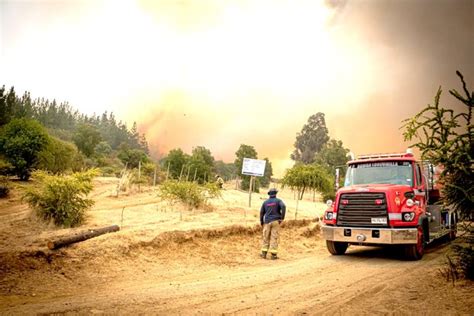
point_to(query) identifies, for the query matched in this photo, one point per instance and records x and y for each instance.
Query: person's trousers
(271, 234)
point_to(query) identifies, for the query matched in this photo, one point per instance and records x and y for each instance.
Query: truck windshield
(381, 172)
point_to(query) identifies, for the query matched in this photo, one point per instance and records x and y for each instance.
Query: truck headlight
(408, 216)
(410, 202)
(329, 216)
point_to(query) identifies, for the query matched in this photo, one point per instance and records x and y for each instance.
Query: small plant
(189, 193)
(61, 199)
(212, 190)
(108, 171)
(4, 187)
(460, 262)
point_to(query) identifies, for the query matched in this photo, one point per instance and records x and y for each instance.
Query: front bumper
(389, 236)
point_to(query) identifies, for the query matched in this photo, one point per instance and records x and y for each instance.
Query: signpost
(253, 168)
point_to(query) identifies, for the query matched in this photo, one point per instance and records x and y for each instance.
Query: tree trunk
(91, 233)
(302, 193)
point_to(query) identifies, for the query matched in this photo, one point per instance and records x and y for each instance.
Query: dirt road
(202, 266)
(200, 273)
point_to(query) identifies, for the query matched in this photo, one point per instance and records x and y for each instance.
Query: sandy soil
(167, 259)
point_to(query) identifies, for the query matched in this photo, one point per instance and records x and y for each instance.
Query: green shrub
(109, 167)
(108, 171)
(148, 170)
(61, 199)
(189, 193)
(58, 156)
(212, 190)
(21, 141)
(4, 187)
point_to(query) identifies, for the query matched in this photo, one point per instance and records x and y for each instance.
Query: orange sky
(222, 73)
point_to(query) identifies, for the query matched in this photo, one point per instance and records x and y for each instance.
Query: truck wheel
(416, 251)
(336, 247)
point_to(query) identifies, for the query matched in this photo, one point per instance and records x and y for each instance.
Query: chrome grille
(361, 208)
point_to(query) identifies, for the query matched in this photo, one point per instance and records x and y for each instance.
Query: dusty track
(221, 273)
(210, 265)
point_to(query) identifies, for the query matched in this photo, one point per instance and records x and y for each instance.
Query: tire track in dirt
(195, 272)
(363, 281)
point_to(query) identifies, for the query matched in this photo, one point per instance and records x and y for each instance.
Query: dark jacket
(272, 209)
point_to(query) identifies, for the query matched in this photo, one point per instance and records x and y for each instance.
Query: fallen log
(91, 233)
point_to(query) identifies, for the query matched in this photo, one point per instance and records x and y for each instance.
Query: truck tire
(416, 251)
(336, 247)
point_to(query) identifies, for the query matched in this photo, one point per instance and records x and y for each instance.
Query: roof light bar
(391, 155)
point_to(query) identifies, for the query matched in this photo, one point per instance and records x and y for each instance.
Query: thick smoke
(412, 48)
(417, 47)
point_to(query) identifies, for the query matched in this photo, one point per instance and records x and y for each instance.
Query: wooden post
(195, 174)
(121, 221)
(122, 180)
(154, 177)
(139, 174)
(297, 202)
(250, 190)
(187, 175)
(181, 173)
(296, 211)
(168, 171)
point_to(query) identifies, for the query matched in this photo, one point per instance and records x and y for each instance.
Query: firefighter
(219, 181)
(272, 213)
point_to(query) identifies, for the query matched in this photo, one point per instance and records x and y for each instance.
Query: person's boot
(263, 254)
(274, 256)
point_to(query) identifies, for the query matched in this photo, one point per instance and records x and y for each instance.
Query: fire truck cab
(387, 199)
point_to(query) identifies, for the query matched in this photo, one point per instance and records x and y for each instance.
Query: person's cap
(272, 191)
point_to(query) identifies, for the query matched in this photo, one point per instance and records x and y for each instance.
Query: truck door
(420, 187)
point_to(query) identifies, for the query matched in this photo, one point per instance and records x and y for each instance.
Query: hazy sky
(222, 73)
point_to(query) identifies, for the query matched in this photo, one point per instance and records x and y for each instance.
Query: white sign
(253, 167)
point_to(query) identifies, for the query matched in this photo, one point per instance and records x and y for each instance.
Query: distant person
(219, 181)
(272, 213)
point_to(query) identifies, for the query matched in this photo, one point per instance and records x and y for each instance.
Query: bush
(147, 173)
(21, 140)
(460, 262)
(189, 193)
(4, 187)
(61, 199)
(212, 190)
(58, 156)
(109, 167)
(108, 171)
(131, 157)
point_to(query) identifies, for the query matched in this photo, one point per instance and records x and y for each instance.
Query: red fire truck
(387, 199)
